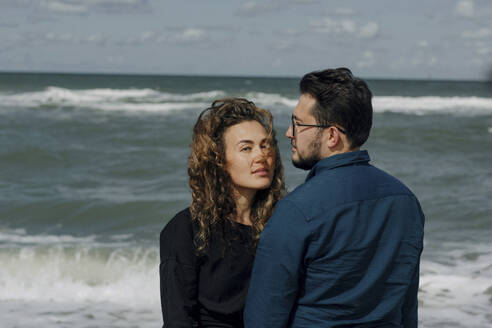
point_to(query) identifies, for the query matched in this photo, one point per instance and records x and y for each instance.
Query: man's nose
(288, 133)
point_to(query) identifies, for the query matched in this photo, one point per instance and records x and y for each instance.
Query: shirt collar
(349, 158)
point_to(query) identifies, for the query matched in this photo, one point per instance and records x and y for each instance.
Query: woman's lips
(261, 172)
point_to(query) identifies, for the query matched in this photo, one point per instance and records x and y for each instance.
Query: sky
(420, 39)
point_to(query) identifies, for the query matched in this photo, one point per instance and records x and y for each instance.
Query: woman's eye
(245, 148)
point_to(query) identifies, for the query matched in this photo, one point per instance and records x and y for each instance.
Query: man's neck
(333, 152)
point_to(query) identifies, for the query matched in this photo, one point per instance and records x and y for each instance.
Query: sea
(92, 167)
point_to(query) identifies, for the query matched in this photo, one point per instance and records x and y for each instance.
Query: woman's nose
(260, 154)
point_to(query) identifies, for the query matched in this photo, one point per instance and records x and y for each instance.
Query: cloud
(289, 32)
(478, 34)
(33, 39)
(144, 37)
(464, 8)
(119, 6)
(368, 31)
(190, 35)
(432, 61)
(283, 45)
(345, 26)
(96, 38)
(253, 8)
(64, 7)
(86, 6)
(182, 36)
(367, 60)
(277, 62)
(484, 50)
(59, 37)
(303, 2)
(115, 2)
(147, 35)
(115, 59)
(348, 26)
(344, 11)
(332, 26)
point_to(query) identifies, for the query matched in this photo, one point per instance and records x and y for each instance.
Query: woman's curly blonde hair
(211, 185)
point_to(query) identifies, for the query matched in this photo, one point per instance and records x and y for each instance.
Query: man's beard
(307, 162)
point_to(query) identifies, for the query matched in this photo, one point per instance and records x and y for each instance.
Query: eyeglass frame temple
(311, 125)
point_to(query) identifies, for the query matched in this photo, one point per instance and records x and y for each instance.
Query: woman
(207, 250)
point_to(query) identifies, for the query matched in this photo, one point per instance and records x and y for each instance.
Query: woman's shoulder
(182, 218)
(181, 224)
(177, 239)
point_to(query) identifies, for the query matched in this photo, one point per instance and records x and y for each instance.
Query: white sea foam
(270, 99)
(35, 314)
(19, 237)
(146, 107)
(56, 95)
(456, 284)
(14, 238)
(461, 106)
(80, 274)
(150, 100)
(458, 288)
(130, 100)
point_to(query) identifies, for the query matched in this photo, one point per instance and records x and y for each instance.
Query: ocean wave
(138, 100)
(19, 237)
(270, 99)
(34, 314)
(399, 104)
(57, 95)
(458, 283)
(461, 106)
(80, 274)
(146, 107)
(150, 100)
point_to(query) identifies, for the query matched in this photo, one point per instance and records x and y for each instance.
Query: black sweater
(206, 290)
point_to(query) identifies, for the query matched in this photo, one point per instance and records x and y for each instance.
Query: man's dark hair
(341, 99)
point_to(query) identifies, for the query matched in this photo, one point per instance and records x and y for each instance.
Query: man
(342, 249)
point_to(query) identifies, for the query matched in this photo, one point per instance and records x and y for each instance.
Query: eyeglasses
(294, 124)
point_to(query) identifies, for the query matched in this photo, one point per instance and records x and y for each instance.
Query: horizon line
(229, 76)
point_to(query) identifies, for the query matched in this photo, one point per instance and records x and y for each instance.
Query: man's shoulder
(288, 219)
(346, 185)
(299, 202)
(389, 182)
(289, 209)
(298, 197)
(323, 186)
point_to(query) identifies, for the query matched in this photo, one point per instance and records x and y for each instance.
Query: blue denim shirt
(341, 250)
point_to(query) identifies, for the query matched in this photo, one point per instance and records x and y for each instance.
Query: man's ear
(332, 137)
(333, 142)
